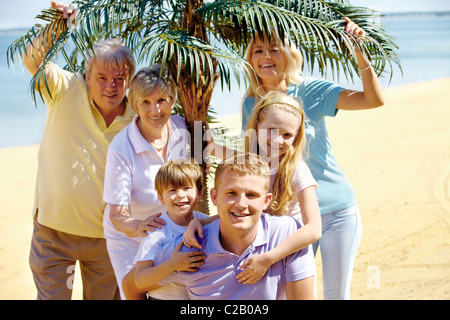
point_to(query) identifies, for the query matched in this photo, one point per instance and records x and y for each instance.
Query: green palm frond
(192, 54)
(316, 27)
(18, 48)
(156, 32)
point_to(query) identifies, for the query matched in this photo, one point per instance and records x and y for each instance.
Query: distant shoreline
(416, 14)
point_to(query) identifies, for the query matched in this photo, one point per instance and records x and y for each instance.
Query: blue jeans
(341, 235)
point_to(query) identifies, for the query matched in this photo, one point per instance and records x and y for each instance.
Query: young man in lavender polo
(243, 230)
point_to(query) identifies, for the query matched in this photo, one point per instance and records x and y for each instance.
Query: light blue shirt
(150, 247)
(154, 240)
(216, 279)
(320, 97)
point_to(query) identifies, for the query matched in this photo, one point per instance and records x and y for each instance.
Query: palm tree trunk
(197, 145)
(195, 99)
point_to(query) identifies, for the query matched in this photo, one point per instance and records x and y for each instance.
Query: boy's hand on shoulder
(189, 239)
(186, 261)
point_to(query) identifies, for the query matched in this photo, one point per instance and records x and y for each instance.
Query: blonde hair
(244, 164)
(292, 56)
(146, 80)
(178, 173)
(282, 191)
(111, 53)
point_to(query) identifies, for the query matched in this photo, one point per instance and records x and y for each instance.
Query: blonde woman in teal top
(278, 67)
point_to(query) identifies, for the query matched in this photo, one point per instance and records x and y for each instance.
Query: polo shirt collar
(124, 119)
(129, 112)
(140, 144)
(262, 235)
(215, 246)
(137, 140)
(127, 115)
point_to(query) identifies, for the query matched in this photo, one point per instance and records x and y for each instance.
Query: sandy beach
(397, 158)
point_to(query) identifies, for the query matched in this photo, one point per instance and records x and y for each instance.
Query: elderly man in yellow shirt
(83, 116)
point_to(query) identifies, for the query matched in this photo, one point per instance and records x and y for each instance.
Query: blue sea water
(424, 52)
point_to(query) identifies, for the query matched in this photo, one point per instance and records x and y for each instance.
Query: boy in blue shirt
(179, 186)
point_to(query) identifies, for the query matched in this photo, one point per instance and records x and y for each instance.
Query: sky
(21, 13)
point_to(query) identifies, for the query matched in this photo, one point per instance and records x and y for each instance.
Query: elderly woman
(134, 157)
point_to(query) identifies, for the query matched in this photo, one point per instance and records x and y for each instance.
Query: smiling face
(268, 60)
(180, 202)
(107, 85)
(240, 200)
(277, 129)
(154, 110)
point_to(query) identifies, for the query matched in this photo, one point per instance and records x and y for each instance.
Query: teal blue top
(320, 98)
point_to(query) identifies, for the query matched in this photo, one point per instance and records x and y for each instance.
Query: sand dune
(397, 158)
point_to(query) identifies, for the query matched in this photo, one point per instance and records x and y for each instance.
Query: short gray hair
(146, 80)
(111, 53)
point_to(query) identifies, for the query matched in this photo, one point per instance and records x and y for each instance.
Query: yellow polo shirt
(72, 156)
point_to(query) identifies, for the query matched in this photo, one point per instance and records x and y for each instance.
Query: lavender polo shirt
(216, 279)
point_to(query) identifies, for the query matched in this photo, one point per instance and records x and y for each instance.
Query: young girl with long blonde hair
(276, 131)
